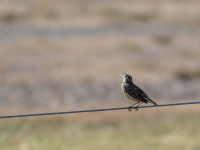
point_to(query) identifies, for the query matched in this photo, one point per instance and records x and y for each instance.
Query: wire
(95, 110)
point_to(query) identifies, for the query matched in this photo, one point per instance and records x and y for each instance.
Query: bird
(134, 93)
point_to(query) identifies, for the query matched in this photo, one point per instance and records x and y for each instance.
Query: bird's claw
(136, 109)
(129, 108)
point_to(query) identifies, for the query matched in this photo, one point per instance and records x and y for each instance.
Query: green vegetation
(161, 128)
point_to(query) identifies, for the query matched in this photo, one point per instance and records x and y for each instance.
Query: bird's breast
(126, 94)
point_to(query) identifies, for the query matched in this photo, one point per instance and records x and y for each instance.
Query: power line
(95, 110)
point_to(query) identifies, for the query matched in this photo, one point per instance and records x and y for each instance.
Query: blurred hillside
(69, 53)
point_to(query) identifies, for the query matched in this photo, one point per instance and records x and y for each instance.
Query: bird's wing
(143, 96)
(151, 101)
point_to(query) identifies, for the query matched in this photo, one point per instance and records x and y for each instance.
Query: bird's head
(127, 78)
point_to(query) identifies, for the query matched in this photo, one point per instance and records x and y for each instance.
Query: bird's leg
(136, 106)
(130, 107)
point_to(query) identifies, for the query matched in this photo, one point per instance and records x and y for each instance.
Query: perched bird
(133, 92)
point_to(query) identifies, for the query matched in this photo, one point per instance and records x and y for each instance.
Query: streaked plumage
(133, 92)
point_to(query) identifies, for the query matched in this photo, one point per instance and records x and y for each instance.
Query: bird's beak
(124, 74)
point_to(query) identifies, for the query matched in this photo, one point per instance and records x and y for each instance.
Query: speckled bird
(134, 93)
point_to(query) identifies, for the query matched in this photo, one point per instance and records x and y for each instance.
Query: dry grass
(188, 75)
(93, 13)
(46, 72)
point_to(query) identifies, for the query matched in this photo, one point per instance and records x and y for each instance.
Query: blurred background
(69, 55)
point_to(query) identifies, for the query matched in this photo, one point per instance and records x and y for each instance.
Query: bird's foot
(130, 108)
(136, 108)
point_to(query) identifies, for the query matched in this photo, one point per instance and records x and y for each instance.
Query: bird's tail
(151, 101)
